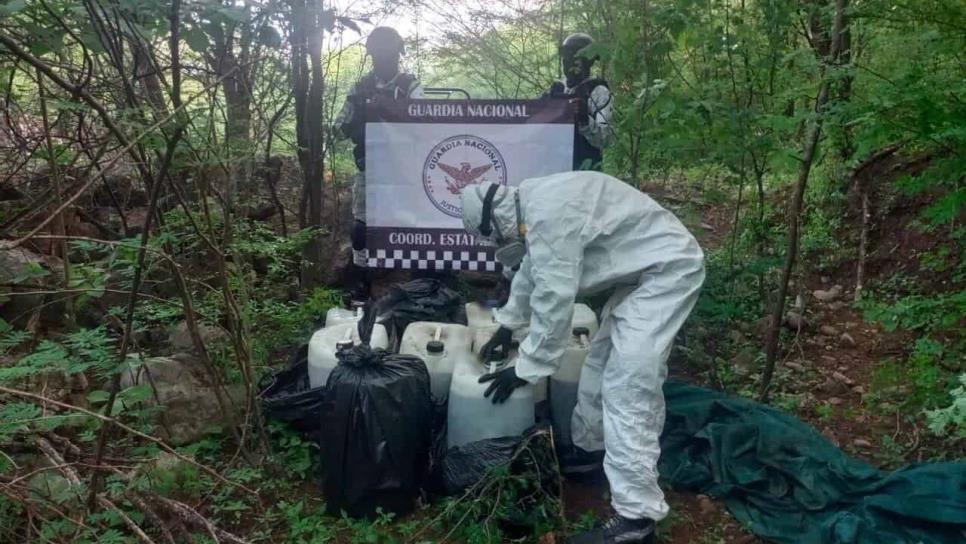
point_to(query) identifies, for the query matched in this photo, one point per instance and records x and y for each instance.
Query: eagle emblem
(457, 162)
(463, 176)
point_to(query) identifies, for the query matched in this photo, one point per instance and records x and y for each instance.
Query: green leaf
(11, 7)
(947, 208)
(350, 24)
(237, 14)
(97, 397)
(269, 37)
(197, 40)
(135, 394)
(31, 271)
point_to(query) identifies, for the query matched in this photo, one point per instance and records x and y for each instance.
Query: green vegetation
(211, 121)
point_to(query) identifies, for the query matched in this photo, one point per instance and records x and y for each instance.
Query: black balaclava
(385, 46)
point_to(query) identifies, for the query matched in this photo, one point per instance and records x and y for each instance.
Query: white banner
(421, 154)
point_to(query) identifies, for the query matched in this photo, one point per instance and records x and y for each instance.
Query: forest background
(173, 196)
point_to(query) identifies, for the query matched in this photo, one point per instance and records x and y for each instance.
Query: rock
(859, 390)
(18, 265)
(166, 467)
(838, 376)
(833, 387)
(190, 402)
(835, 401)
(706, 504)
(829, 358)
(828, 330)
(50, 486)
(829, 295)
(762, 326)
(798, 367)
(862, 443)
(180, 338)
(847, 339)
(794, 320)
(707, 226)
(548, 538)
(744, 362)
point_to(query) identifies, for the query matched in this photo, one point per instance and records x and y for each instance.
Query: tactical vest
(366, 87)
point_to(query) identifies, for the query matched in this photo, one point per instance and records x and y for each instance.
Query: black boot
(581, 464)
(359, 286)
(618, 530)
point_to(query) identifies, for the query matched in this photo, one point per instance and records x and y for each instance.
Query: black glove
(556, 89)
(504, 382)
(498, 346)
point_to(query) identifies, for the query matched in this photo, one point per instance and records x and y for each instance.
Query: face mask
(511, 255)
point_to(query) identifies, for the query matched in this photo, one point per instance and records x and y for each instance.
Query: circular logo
(456, 163)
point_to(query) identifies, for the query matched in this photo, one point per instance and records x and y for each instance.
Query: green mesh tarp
(787, 483)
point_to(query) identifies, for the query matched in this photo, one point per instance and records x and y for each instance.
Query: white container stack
(473, 417)
(481, 321)
(479, 318)
(326, 342)
(451, 354)
(337, 316)
(563, 384)
(441, 346)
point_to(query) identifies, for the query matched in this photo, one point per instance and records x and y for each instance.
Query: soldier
(592, 95)
(386, 80)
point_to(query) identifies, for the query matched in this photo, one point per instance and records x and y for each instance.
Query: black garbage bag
(423, 299)
(376, 432)
(286, 396)
(464, 466)
(510, 485)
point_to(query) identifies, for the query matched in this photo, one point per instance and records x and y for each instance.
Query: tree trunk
(308, 84)
(811, 145)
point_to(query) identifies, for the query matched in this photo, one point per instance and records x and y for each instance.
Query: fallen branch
(191, 517)
(210, 471)
(54, 456)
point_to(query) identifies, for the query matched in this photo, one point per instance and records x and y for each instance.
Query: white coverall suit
(587, 232)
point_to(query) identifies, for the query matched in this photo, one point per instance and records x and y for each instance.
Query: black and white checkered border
(414, 259)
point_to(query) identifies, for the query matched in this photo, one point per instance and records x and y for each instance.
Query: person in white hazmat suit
(583, 233)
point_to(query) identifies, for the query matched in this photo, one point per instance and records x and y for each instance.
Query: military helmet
(574, 43)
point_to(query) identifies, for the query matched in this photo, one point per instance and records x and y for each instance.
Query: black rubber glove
(504, 382)
(497, 347)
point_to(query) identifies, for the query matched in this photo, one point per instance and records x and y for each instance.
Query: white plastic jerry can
(584, 317)
(482, 337)
(337, 316)
(440, 346)
(479, 316)
(472, 417)
(326, 342)
(564, 383)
